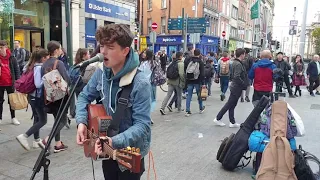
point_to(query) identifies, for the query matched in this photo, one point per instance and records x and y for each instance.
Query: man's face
(3, 50)
(316, 58)
(114, 54)
(16, 44)
(280, 57)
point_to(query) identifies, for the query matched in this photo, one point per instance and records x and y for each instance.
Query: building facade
(224, 23)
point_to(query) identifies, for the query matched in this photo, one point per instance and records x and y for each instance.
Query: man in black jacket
(194, 79)
(239, 83)
(248, 62)
(285, 67)
(9, 72)
(163, 61)
(313, 72)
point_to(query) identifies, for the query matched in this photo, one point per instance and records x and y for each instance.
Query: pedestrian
(298, 74)
(223, 73)
(239, 83)
(55, 50)
(194, 69)
(175, 84)
(285, 67)
(146, 67)
(63, 57)
(208, 74)
(20, 54)
(163, 61)
(261, 74)
(120, 66)
(248, 62)
(313, 72)
(36, 100)
(9, 73)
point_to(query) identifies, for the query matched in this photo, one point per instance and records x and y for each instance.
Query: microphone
(98, 58)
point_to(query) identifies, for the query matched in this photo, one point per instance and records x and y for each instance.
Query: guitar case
(231, 154)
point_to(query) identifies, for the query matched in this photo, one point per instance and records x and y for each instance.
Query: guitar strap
(123, 110)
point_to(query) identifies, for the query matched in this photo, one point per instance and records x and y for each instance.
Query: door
(36, 40)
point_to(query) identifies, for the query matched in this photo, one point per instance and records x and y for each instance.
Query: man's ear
(126, 51)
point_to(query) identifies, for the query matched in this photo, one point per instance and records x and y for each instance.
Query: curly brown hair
(119, 33)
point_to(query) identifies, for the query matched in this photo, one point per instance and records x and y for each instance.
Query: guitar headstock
(130, 158)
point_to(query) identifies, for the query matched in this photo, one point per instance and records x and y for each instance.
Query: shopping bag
(204, 92)
(18, 101)
(298, 120)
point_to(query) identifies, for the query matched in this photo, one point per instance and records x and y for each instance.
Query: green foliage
(316, 36)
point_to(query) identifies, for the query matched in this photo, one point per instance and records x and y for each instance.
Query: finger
(79, 141)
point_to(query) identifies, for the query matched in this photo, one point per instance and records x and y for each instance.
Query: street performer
(119, 69)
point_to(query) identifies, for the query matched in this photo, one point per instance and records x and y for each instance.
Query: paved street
(183, 148)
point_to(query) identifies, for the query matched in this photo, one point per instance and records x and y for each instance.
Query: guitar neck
(109, 151)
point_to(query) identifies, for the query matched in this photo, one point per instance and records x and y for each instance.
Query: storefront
(98, 13)
(171, 43)
(30, 23)
(232, 46)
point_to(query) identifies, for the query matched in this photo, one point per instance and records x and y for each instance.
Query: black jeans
(9, 90)
(230, 105)
(313, 83)
(287, 81)
(111, 171)
(39, 114)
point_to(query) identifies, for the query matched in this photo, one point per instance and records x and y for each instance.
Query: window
(234, 32)
(149, 25)
(163, 3)
(215, 4)
(163, 25)
(234, 12)
(149, 4)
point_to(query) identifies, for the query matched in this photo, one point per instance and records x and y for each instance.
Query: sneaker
(242, 100)
(169, 108)
(37, 143)
(221, 97)
(162, 112)
(152, 122)
(312, 94)
(202, 110)
(235, 125)
(218, 123)
(15, 121)
(247, 99)
(60, 148)
(23, 140)
(188, 113)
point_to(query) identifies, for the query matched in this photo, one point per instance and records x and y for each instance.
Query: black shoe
(247, 99)
(162, 112)
(202, 110)
(169, 108)
(188, 113)
(242, 100)
(152, 122)
(300, 93)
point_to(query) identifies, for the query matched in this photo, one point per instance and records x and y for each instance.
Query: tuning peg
(133, 149)
(128, 148)
(137, 150)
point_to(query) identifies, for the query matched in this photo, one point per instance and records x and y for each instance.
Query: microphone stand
(42, 160)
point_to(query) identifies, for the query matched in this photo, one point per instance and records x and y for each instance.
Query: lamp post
(69, 33)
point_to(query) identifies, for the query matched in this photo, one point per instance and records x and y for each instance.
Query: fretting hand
(98, 145)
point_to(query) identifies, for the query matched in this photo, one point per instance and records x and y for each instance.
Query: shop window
(149, 25)
(163, 25)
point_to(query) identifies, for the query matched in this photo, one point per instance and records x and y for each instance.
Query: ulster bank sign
(105, 9)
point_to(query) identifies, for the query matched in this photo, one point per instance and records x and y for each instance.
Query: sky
(284, 13)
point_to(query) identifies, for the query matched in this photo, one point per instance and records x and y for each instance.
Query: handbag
(18, 101)
(299, 123)
(204, 92)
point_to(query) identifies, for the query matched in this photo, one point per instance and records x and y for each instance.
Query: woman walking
(298, 75)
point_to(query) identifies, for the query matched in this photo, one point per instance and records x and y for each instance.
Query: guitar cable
(94, 176)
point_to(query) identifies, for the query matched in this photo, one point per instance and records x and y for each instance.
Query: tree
(316, 36)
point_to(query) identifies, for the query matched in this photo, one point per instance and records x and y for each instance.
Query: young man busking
(9, 72)
(119, 72)
(239, 83)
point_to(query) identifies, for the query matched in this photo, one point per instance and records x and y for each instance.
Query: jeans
(189, 97)
(40, 116)
(111, 171)
(224, 84)
(230, 105)
(171, 89)
(9, 90)
(208, 84)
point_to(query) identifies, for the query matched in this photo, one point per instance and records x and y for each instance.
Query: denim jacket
(135, 131)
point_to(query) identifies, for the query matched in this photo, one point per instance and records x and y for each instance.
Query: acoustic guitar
(98, 123)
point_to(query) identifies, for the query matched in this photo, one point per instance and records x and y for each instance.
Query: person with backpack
(119, 76)
(9, 73)
(36, 100)
(239, 82)
(22, 55)
(208, 74)
(175, 75)
(55, 50)
(223, 73)
(248, 64)
(194, 70)
(81, 55)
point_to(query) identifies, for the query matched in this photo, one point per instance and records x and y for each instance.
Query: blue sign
(167, 39)
(105, 9)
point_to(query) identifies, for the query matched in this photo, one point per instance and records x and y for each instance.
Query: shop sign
(105, 9)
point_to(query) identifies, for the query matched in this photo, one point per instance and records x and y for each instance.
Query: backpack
(25, 84)
(173, 70)
(193, 70)
(302, 168)
(28, 54)
(232, 150)
(208, 71)
(224, 67)
(157, 76)
(55, 87)
(277, 161)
